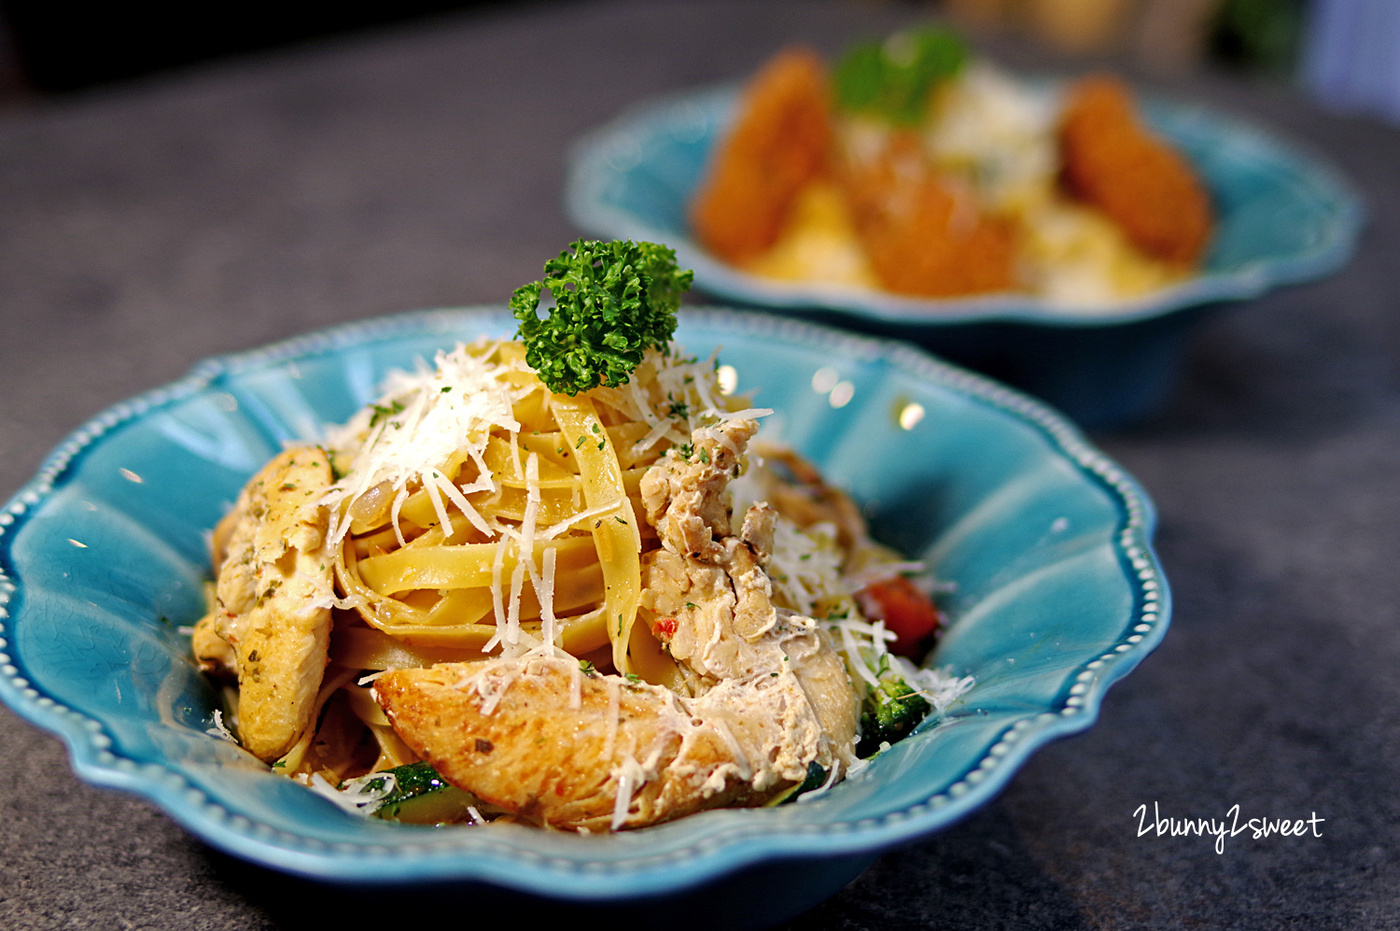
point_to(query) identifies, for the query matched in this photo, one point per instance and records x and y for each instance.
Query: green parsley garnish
(381, 411)
(893, 79)
(612, 302)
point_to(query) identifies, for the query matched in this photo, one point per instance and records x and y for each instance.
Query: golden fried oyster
(1112, 161)
(925, 233)
(778, 143)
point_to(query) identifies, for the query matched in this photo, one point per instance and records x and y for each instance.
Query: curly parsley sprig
(612, 301)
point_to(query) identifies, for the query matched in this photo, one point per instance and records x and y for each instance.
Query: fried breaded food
(1114, 163)
(923, 233)
(777, 144)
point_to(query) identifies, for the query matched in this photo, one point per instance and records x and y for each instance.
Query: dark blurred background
(1342, 51)
(63, 46)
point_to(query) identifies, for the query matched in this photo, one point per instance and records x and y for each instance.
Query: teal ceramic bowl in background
(1046, 544)
(1283, 216)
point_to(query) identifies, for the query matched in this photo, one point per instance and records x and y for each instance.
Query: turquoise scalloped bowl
(1283, 216)
(1047, 542)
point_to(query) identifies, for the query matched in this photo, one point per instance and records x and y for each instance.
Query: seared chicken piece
(720, 625)
(508, 732)
(768, 696)
(686, 496)
(271, 619)
(212, 652)
(715, 615)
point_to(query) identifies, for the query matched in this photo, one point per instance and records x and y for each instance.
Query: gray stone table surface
(144, 227)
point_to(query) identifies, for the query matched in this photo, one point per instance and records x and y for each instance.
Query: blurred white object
(1351, 55)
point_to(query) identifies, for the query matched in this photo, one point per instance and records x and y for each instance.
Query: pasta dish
(486, 598)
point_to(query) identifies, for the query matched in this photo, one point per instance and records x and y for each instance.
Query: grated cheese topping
(421, 422)
(427, 423)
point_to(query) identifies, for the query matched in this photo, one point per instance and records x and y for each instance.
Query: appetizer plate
(1284, 216)
(1054, 593)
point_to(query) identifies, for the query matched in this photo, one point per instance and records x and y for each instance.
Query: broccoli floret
(419, 796)
(612, 302)
(892, 709)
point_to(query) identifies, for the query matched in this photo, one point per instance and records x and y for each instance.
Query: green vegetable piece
(894, 79)
(612, 301)
(892, 709)
(859, 76)
(421, 796)
(816, 778)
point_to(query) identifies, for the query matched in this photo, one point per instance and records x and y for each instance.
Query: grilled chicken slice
(720, 626)
(271, 617)
(686, 496)
(539, 738)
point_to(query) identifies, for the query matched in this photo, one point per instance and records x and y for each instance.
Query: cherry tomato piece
(908, 613)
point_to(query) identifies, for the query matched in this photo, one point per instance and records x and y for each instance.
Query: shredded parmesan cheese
(421, 421)
(630, 775)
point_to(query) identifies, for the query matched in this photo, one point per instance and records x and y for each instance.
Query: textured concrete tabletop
(144, 227)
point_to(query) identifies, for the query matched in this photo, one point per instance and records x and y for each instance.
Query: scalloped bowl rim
(503, 858)
(590, 155)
